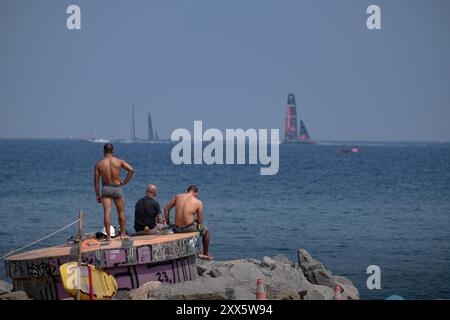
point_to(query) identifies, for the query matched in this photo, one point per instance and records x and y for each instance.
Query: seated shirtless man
(109, 169)
(187, 207)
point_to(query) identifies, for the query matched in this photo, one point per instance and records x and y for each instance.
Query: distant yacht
(304, 135)
(100, 140)
(96, 139)
(291, 134)
(152, 134)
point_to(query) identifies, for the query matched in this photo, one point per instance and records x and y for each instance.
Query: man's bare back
(186, 208)
(189, 217)
(109, 170)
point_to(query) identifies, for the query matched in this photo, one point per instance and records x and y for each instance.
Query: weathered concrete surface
(236, 280)
(119, 253)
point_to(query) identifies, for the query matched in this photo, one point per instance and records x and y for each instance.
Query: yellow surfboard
(93, 283)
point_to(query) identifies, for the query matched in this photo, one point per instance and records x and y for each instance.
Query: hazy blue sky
(230, 63)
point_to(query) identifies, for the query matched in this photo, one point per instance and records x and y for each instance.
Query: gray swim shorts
(114, 192)
(190, 228)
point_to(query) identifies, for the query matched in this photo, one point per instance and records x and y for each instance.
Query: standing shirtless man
(109, 169)
(187, 207)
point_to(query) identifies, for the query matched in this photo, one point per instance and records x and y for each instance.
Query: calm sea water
(388, 205)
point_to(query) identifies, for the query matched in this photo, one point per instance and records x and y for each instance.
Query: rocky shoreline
(306, 279)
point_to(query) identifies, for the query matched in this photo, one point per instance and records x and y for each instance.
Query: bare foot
(124, 236)
(205, 257)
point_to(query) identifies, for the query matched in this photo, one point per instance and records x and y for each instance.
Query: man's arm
(130, 172)
(159, 218)
(96, 180)
(158, 215)
(200, 213)
(167, 209)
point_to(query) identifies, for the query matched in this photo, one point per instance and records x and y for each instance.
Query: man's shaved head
(193, 189)
(108, 148)
(151, 190)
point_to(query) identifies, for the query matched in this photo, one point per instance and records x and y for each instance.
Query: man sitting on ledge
(147, 212)
(187, 207)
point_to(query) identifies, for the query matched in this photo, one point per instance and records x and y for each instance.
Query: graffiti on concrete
(168, 262)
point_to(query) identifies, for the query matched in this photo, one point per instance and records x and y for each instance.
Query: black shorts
(191, 228)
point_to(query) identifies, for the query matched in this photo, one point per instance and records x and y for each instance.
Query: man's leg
(120, 207)
(107, 203)
(205, 240)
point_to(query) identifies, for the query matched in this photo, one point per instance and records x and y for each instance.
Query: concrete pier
(166, 258)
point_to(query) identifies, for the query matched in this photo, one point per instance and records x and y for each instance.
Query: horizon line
(316, 141)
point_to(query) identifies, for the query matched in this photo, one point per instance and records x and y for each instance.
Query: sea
(387, 205)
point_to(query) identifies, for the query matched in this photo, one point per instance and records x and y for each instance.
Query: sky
(229, 63)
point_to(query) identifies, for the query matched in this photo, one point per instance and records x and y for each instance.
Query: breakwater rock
(7, 293)
(306, 279)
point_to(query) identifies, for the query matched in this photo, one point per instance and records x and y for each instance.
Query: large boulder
(143, 292)
(314, 271)
(245, 272)
(208, 269)
(318, 292)
(350, 292)
(268, 262)
(283, 280)
(15, 295)
(201, 289)
(236, 280)
(281, 258)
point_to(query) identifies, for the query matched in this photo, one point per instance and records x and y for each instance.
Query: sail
(303, 135)
(133, 127)
(150, 128)
(290, 126)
